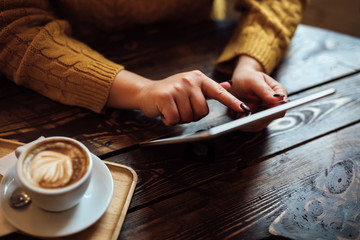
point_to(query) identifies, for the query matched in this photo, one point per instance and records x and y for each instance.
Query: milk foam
(55, 164)
(50, 169)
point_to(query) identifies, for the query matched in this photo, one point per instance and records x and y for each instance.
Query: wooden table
(304, 167)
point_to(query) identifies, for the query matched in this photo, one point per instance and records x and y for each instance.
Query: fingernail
(244, 107)
(279, 95)
(230, 81)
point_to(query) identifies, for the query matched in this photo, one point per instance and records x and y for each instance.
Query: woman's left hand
(255, 88)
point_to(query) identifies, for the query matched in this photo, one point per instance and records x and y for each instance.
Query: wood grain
(170, 172)
(249, 179)
(243, 203)
(313, 59)
(24, 119)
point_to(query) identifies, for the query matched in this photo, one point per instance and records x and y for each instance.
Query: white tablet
(240, 123)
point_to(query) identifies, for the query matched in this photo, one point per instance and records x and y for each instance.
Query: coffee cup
(54, 171)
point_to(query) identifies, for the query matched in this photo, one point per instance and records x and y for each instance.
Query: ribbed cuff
(256, 43)
(262, 36)
(91, 87)
(85, 83)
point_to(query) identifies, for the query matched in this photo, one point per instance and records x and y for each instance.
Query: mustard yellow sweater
(38, 50)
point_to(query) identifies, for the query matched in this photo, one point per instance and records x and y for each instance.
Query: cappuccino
(55, 164)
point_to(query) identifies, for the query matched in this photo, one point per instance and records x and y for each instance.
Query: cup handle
(21, 149)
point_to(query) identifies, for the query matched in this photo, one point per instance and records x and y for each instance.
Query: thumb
(226, 85)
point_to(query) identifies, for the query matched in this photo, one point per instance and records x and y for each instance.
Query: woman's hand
(255, 88)
(180, 98)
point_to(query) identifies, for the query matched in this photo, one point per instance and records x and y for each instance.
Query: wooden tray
(109, 225)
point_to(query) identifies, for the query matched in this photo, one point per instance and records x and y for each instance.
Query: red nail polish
(244, 107)
(279, 95)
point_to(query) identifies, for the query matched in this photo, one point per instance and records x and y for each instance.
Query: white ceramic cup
(52, 199)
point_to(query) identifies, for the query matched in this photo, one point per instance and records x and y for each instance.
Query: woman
(40, 50)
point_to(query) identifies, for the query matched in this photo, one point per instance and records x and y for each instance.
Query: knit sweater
(39, 51)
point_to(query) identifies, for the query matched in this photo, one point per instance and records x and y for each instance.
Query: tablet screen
(241, 123)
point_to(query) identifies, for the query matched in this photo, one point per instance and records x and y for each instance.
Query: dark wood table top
(301, 172)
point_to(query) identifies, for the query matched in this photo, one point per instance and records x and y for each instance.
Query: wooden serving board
(109, 225)
(7, 146)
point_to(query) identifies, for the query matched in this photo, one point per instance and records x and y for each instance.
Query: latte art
(51, 169)
(55, 164)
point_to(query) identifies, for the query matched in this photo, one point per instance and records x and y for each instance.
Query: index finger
(215, 91)
(273, 87)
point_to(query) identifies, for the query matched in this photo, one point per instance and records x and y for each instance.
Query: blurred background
(338, 15)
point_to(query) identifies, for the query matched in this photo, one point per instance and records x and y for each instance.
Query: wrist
(125, 90)
(246, 63)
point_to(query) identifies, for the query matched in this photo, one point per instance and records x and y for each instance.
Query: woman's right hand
(180, 98)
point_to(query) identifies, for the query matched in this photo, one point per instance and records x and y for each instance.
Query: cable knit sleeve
(264, 32)
(37, 51)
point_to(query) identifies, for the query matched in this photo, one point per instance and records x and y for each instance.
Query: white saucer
(37, 222)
